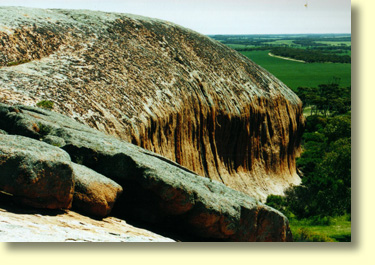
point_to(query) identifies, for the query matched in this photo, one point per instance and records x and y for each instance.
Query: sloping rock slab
(158, 187)
(36, 173)
(94, 194)
(32, 226)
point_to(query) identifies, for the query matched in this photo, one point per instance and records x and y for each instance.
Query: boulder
(156, 189)
(94, 194)
(35, 173)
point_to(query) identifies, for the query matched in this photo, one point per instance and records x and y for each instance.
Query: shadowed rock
(35, 173)
(155, 189)
(160, 86)
(94, 194)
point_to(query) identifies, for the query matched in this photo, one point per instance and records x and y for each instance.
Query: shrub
(321, 220)
(279, 203)
(43, 129)
(45, 104)
(17, 62)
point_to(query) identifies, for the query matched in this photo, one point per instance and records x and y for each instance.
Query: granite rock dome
(160, 86)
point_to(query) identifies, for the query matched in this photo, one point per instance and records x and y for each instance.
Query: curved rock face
(157, 191)
(160, 86)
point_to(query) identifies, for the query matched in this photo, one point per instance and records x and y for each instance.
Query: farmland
(296, 74)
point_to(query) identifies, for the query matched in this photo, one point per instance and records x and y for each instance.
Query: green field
(345, 53)
(337, 229)
(335, 43)
(295, 74)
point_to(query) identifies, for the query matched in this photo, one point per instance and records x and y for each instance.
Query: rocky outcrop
(41, 175)
(157, 85)
(94, 194)
(36, 173)
(156, 190)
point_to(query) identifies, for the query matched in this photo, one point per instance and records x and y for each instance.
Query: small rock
(54, 140)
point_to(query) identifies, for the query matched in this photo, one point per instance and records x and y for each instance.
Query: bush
(44, 129)
(338, 127)
(321, 220)
(279, 203)
(45, 104)
(17, 62)
(315, 123)
(314, 136)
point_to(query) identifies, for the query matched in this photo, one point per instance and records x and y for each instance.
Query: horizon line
(234, 34)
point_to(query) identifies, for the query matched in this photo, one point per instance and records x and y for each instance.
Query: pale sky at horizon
(224, 16)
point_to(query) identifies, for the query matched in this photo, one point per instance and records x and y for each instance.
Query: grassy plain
(295, 74)
(336, 229)
(335, 43)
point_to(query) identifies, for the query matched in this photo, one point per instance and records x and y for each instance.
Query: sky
(224, 16)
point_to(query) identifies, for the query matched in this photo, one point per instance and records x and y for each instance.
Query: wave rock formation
(158, 85)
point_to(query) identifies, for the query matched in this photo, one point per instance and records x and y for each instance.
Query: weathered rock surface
(94, 194)
(37, 174)
(157, 85)
(41, 175)
(156, 189)
(28, 225)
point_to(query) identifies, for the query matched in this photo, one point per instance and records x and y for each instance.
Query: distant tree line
(331, 48)
(310, 56)
(248, 49)
(244, 42)
(313, 41)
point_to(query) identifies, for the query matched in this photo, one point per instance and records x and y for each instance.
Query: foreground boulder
(94, 194)
(35, 173)
(155, 189)
(41, 175)
(160, 86)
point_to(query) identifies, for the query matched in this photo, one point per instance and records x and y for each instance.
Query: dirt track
(286, 58)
